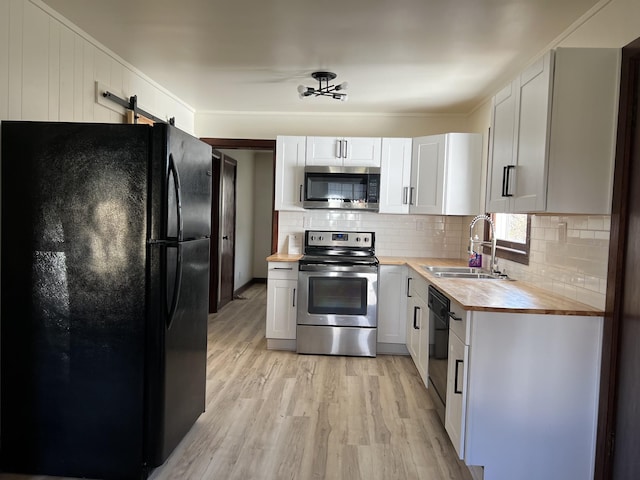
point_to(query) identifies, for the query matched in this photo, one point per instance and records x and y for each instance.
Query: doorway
(619, 415)
(224, 147)
(228, 229)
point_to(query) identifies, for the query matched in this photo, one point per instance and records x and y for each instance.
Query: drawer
(283, 270)
(418, 285)
(459, 327)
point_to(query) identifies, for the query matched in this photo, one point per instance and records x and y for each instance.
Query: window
(512, 235)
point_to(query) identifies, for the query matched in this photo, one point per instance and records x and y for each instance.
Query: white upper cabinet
(343, 151)
(395, 175)
(553, 135)
(290, 155)
(445, 174)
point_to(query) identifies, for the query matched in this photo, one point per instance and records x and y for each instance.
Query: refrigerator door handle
(176, 186)
(177, 284)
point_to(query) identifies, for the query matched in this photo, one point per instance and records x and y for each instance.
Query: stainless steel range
(338, 294)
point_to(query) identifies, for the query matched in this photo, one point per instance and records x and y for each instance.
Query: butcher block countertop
(502, 296)
(505, 296)
(284, 257)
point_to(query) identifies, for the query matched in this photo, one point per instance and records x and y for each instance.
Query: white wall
(50, 68)
(615, 25)
(257, 125)
(262, 207)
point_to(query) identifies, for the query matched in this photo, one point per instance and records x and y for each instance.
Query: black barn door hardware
(132, 105)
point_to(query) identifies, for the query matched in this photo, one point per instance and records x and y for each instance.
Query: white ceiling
(399, 56)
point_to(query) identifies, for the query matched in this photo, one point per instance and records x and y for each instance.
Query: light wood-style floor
(277, 415)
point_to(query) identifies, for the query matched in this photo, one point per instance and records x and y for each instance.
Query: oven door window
(336, 295)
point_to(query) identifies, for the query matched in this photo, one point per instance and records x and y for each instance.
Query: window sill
(511, 254)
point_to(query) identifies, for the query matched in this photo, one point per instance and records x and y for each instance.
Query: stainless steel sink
(463, 272)
(435, 270)
(467, 275)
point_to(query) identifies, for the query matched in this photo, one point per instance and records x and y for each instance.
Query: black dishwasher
(439, 306)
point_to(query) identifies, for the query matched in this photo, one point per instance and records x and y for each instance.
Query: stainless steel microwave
(351, 188)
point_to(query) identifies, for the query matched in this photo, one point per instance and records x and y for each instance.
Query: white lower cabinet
(392, 298)
(282, 284)
(522, 394)
(418, 324)
(455, 411)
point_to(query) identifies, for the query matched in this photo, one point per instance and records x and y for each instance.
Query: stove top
(332, 242)
(339, 248)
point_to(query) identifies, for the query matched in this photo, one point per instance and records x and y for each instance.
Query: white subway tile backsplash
(573, 265)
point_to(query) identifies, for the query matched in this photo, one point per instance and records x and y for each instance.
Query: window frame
(513, 251)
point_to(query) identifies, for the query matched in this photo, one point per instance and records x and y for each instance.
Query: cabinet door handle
(346, 149)
(504, 182)
(415, 317)
(405, 195)
(294, 297)
(452, 316)
(506, 179)
(300, 193)
(339, 148)
(409, 286)
(455, 381)
(283, 268)
(411, 195)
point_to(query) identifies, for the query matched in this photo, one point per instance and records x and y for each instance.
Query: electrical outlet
(562, 232)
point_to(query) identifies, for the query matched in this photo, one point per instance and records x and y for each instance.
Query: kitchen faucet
(494, 260)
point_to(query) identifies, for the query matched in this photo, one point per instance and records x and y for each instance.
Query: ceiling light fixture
(324, 89)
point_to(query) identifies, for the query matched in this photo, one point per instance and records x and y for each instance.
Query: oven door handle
(324, 268)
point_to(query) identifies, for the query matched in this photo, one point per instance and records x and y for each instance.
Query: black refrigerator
(104, 283)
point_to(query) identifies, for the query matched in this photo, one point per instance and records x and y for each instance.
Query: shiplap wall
(49, 69)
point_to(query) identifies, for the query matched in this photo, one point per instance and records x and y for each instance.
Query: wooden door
(227, 230)
(619, 416)
(214, 268)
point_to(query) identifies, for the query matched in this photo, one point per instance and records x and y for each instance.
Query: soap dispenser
(475, 258)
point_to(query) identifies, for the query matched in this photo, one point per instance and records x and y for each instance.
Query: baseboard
(392, 349)
(280, 344)
(246, 286)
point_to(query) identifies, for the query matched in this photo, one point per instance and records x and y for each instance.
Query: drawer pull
(455, 382)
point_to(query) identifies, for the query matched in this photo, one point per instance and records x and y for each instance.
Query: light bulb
(344, 98)
(301, 89)
(342, 86)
